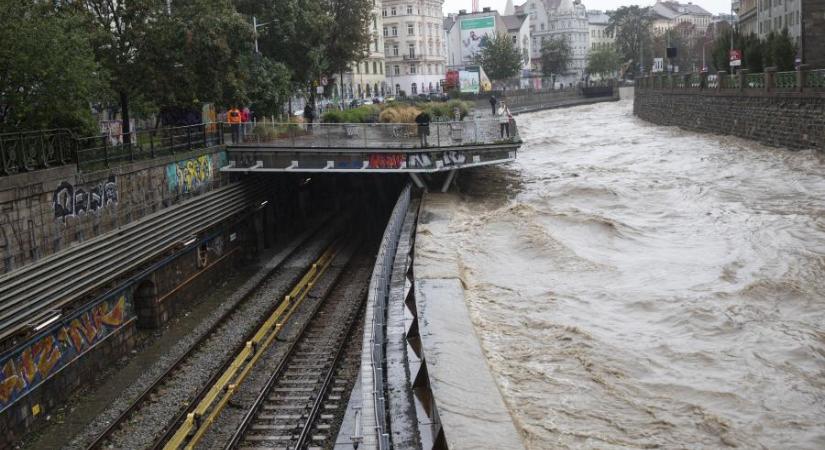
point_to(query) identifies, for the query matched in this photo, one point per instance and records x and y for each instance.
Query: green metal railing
(755, 81)
(801, 80)
(785, 80)
(815, 79)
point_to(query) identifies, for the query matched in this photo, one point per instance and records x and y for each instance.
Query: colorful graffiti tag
(25, 369)
(386, 160)
(192, 175)
(69, 200)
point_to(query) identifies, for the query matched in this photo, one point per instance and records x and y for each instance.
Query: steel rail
(276, 375)
(135, 405)
(131, 248)
(217, 395)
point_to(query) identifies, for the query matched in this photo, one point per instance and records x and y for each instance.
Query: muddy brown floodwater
(637, 286)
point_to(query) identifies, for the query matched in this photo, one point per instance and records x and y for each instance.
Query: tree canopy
(603, 62)
(48, 72)
(555, 55)
(631, 27)
(500, 58)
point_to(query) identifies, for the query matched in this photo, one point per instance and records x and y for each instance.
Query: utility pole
(255, 26)
(731, 35)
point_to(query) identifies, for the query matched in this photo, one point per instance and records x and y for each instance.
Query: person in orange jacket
(233, 116)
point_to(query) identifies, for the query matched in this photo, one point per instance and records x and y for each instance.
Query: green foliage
(499, 58)
(555, 55)
(777, 50)
(268, 84)
(603, 62)
(48, 74)
(631, 27)
(446, 109)
(362, 114)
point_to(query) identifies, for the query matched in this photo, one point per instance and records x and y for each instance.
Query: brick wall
(42, 212)
(813, 19)
(796, 122)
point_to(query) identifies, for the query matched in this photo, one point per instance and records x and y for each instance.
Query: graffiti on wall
(190, 175)
(386, 160)
(446, 159)
(25, 369)
(70, 200)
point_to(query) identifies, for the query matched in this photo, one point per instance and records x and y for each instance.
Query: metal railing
(380, 136)
(32, 150)
(801, 80)
(35, 150)
(378, 295)
(103, 151)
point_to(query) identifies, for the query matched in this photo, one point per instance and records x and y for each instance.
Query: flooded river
(635, 286)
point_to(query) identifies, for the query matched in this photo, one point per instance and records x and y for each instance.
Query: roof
(682, 8)
(597, 18)
(448, 23)
(514, 22)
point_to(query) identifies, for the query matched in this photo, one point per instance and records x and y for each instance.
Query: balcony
(413, 57)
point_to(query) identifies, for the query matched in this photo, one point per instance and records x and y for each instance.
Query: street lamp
(255, 26)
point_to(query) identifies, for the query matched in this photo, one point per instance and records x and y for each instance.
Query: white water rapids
(637, 286)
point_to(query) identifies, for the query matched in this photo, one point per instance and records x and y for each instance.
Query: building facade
(775, 15)
(550, 19)
(366, 79)
(413, 35)
(669, 14)
(746, 16)
(600, 38)
(813, 33)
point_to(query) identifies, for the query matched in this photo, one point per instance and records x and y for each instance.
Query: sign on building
(658, 65)
(735, 58)
(473, 34)
(469, 80)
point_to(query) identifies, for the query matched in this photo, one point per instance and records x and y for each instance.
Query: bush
(445, 109)
(399, 113)
(363, 114)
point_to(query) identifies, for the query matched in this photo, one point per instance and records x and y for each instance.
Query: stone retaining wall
(47, 210)
(794, 121)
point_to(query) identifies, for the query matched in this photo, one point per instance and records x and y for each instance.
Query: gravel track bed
(349, 289)
(150, 421)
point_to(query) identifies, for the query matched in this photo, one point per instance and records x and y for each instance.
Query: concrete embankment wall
(45, 211)
(783, 120)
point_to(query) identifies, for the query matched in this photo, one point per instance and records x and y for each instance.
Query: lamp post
(255, 26)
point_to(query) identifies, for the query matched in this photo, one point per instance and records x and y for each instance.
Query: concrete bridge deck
(376, 148)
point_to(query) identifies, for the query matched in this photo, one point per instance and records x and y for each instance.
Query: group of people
(238, 119)
(504, 116)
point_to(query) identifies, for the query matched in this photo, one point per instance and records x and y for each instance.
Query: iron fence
(383, 136)
(801, 80)
(32, 150)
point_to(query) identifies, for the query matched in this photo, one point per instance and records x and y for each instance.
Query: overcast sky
(713, 6)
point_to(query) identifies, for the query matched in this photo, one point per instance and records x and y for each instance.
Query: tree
(269, 85)
(631, 27)
(603, 62)
(780, 51)
(555, 55)
(720, 55)
(500, 58)
(48, 74)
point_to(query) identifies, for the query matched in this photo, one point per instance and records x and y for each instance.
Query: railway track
(43, 289)
(306, 396)
(180, 370)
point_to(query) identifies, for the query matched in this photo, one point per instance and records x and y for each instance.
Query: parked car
(356, 103)
(439, 97)
(389, 98)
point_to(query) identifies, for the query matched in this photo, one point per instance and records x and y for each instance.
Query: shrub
(399, 114)
(363, 114)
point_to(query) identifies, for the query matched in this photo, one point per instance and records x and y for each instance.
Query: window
(394, 30)
(412, 70)
(386, 32)
(384, 12)
(542, 27)
(409, 9)
(395, 50)
(392, 11)
(374, 67)
(412, 50)
(410, 30)
(396, 69)
(413, 89)
(366, 67)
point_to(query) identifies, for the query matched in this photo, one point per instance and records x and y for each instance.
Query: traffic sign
(324, 81)
(735, 58)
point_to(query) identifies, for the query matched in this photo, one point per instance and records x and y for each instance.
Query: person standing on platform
(493, 102)
(423, 121)
(309, 116)
(233, 116)
(504, 118)
(245, 118)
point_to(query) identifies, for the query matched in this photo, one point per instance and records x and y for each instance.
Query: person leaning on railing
(233, 116)
(423, 121)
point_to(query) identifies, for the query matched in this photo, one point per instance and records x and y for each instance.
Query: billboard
(473, 34)
(735, 58)
(469, 81)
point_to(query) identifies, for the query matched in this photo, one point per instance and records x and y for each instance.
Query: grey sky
(713, 6)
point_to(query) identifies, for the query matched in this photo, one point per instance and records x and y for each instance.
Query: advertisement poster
(473, 33)
(470, 81)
